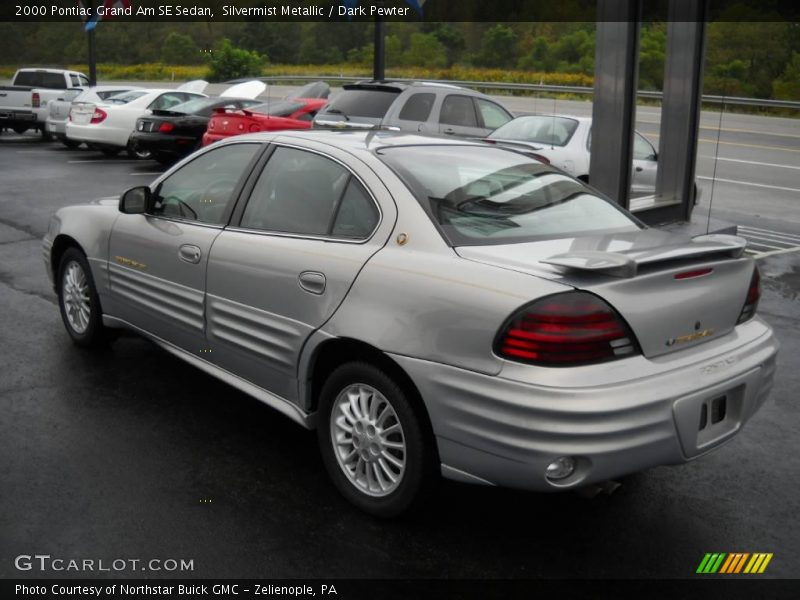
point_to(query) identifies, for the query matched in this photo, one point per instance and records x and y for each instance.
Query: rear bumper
(11, 118)
(503, 431)
(95, 134)
(57, 127)
(169, 144)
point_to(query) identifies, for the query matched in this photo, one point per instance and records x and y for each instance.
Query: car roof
(402, 85)
(365, 140)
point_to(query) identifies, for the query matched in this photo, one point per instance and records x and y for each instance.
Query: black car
(172, 134)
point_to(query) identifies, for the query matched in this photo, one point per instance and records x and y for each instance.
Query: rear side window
(304, 193)
(297, 192)
(459, 111)
(363, 103)
(493, 115)
(417, 107)
(75, 81)
(357, 215)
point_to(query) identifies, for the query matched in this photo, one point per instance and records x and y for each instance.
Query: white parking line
(776, 252)
(750, 162)
(770, 231)
(767, 242)
(750, 242)
(105, 160)
(761, 185)
(769, 237)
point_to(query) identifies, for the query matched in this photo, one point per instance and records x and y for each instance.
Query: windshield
(125, 97)
(485, 195)
(553, 131)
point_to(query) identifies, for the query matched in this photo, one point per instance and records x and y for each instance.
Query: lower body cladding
(498, 431)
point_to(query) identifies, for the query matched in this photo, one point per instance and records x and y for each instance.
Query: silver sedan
(432, 307)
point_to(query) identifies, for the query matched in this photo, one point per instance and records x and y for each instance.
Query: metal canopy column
(614, 107)
(680, 112)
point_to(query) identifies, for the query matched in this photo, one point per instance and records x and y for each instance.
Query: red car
(289, 113)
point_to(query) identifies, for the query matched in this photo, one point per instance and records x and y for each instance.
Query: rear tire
(78, 300)
(134, 151)
(373, 442)
(71, 144)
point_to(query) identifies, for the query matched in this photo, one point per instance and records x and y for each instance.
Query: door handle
(312, 282)
(450, 131)
(639, 169)
(190, 253)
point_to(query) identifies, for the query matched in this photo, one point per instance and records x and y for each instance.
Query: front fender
(89, 227)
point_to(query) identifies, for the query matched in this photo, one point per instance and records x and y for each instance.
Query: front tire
(372, 441)
(78, 300)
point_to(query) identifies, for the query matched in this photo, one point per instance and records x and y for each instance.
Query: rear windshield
(553, 131)
(108, 93)
(372, 104)
(485, 195)
(277, 108)
(125, 97)
(41, 79)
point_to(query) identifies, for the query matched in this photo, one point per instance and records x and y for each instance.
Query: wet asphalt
(130, 453)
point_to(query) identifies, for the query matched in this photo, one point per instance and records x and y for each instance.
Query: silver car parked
(430, 306)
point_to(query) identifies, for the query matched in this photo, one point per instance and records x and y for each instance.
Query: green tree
(787, 86)
(451, 38)
(228, 62)
(180, 49)
(498, 47)
(425, 50)
(652, 54)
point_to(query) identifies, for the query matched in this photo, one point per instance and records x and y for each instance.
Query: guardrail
(533, 87)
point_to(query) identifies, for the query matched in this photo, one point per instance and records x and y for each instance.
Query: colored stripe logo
(734, 563)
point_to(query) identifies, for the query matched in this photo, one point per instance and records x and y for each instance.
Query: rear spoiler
(626, 264)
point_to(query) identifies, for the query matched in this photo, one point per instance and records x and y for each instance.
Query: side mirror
(135, 201)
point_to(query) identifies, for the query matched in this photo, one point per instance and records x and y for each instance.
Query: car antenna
(716, 156)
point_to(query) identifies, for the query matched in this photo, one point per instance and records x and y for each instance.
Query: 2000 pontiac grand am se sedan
(430, 306)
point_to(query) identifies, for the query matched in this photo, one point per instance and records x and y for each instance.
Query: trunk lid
(675, 292)
(82, 112)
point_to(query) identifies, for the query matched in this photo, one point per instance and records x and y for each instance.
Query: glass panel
(203, 189)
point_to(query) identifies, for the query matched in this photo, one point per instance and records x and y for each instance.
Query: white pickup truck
(23, 104)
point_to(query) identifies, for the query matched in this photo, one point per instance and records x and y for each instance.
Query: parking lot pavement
(132, 453)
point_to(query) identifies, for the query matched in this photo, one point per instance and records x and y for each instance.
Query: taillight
(573, 328)
(753, 296)
(36, 100)
(166, 127)
(98, 117)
